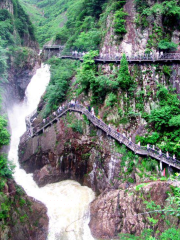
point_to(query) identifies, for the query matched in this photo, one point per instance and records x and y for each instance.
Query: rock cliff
(125, 211)
(79, 151)
(24, 217)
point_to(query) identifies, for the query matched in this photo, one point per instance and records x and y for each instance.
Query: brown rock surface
(60, 154)
(119, 211)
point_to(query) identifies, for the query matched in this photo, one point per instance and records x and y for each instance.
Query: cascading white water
(67, 202)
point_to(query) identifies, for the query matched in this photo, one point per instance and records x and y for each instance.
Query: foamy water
(67, 201)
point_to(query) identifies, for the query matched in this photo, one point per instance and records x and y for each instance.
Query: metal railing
(134, 58)
(53, 47)
(121, 138)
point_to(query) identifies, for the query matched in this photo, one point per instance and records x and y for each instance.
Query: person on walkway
(44, 120)
(59, 109)
(148, 147)
(92, 111)
(174, 157)
(109, 126)
(89, 108)
(98, 118)
(118, 132)
(167, 155)
(160, 152)
(71, 103)
(77, 103)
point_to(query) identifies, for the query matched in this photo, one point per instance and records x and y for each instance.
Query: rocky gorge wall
(79, 151)
(126, 211)
(75, 149)
(135, 41)
(23, 217)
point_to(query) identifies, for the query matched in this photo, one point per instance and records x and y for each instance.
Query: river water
(67, 202)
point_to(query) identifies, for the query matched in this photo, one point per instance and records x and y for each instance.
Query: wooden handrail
(140, 150)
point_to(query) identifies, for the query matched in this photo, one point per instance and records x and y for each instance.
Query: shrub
(165, 45)
(111, 99)
(119, 22)
(124, 77)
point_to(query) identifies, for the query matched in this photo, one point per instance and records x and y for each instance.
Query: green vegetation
(78, 24)
(15, 30)
(155, 213)
(124, 78)
(3, 61)
(165, 122)
(18, 22)
(90, 79)
(147, 234)
(62, 72)
(170, 11)
(165, 45)
(76, 126)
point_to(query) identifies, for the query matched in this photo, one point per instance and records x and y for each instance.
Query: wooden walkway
(140, 150)
(106, 58)
(168, 57)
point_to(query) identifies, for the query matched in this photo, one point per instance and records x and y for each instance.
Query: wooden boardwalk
(106, 58)
(168, 57)
(140, 150)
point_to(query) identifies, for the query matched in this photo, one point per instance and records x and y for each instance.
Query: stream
(67, 201)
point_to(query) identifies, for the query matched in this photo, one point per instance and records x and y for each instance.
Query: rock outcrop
(61, 153)
(125, 211)
(24, 217)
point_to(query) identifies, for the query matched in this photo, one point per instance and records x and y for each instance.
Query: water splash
(67, 202)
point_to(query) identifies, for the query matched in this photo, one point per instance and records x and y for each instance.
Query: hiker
(89, 108)
(160, 152)
(118, 132)
(92, 111)
(148, 146)
(109, 126)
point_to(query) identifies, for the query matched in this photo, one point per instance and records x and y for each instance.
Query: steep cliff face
(84, 154)
(7, 4)
(119, 211)
(21, 70)
(20, 47)
(61, 153)
(139, 37)
(22, 217)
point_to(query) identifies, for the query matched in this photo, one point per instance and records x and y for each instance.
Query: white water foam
(67, 202)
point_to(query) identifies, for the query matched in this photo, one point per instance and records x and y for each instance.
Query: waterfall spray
(67, 202)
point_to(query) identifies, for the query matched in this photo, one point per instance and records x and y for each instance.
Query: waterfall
(67, 201)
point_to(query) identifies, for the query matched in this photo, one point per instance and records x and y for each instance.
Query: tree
(3, 62)
(4, 134)
(165, 45)
(124, 77)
